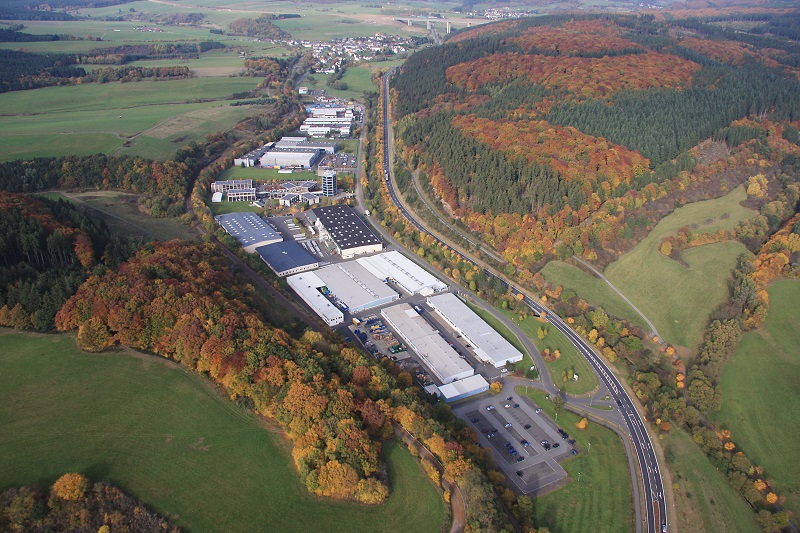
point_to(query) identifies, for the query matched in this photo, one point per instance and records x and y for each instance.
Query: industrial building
(241, 195)
(355, 287)
(458, 390)
(490, 347)
(249, 229)
(349, 233)
(325, 129)
(290, 157)
(307, 285)
(253, 158)
(440, 358)
(287, 258)
(301, 142)
(409, 276)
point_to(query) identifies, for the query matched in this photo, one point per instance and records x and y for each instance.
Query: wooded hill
(538, 133)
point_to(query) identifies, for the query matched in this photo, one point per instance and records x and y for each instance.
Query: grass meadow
(164, 435)
(592, 289)
(679, 299)
(704, 501)
(602, 501)
(761, 393)
(146, 118)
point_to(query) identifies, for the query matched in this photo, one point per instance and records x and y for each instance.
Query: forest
(537, 133)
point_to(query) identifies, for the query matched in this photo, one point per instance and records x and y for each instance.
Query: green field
(164, 435)
(570, 358)
(602, 500)
(679, 299)
(592, 289)
(704, 501)
(264, 174)
(357, 78)
(147, 118)
(761, 393)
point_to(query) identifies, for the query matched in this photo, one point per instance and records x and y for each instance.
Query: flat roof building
(290, 157)
(349, 233)
(241, 195)
(307, 286)
(434, 352)
(227, 185)
(287, 258)
(301, 142)
(249, 229)
(409, 276)
(464, 388)
(355, 286)
(490, 347)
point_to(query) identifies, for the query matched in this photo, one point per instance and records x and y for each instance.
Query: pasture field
(570, 358)
(592, 289)
(147, 118)
(761, 393)
(602, 501)
(357, 79)
(164, 435)
(704, 501)
(679, 299)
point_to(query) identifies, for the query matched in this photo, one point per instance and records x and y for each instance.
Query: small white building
(464, 388)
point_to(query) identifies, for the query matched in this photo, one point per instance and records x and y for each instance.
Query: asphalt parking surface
(538, 470)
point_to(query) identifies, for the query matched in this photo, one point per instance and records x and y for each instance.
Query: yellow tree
(71, 486)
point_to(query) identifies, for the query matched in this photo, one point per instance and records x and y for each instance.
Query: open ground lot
(761, 393)
(601, 501)
(679, 299)
(704, 500)
(164, 435)
(121, 213)
(531, 469)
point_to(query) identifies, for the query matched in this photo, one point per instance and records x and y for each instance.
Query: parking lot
(516, 435)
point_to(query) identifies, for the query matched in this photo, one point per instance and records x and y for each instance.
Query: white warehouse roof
(464, 388)
(411, 277)
(356, 286)
(490, 346)
(306, 285)
(432, 349)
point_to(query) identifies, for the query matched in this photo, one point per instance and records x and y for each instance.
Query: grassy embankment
(679, 299)
(704, 501)
(164, 435)
(761, 393)
(602, 500)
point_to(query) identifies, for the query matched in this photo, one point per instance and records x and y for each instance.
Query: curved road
(652, 483)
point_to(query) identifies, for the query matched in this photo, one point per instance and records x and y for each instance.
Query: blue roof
(286, 255)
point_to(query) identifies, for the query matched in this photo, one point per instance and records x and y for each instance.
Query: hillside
(564, 135)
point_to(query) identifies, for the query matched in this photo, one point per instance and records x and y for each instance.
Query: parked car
(490, 408)
(525, 443)
(527, 426)
(556, 445)
(507, 405)
(516, 405)
(519, 473)
(520, 458)
(508, 424)
(538, 410)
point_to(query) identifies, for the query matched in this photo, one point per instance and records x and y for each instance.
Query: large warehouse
(349, 233)
(355, 286)
(291, 157)
(249, 229)
(409, 276)
(307, 285)
(287, 258)
(490, 346)
(458, 390)
(433, 350)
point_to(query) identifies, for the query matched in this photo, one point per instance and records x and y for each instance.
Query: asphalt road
(652, 483)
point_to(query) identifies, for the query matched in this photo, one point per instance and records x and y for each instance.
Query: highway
(652, 483)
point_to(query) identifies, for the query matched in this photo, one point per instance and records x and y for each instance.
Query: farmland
(679, 299)
(148, 118)
(601, 501)
(164, 435)
(761, 395)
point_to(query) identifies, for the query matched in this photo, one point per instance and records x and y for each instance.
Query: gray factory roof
(248, 228)
(286, 255)
(345, 227)
(355, 285)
